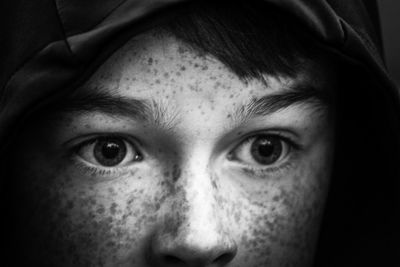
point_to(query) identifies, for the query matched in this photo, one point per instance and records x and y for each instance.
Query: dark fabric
(49, 46)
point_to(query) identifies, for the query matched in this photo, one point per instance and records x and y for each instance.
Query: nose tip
(188, 253)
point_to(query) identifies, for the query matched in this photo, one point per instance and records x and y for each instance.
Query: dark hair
(249, 42)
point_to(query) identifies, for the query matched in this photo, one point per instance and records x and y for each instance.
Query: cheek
(278, 223)
(86, 224)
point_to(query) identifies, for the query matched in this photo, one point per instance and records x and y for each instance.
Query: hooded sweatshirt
(49, 47)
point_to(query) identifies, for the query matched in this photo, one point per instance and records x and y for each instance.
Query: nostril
(172, 260)
(189, 252)
(224, 258)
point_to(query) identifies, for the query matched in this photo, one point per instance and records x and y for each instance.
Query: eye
(261, 150)
(109, 151)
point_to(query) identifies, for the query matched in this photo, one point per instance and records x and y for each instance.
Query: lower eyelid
(96, 171)
(270, 170)
(289, 163)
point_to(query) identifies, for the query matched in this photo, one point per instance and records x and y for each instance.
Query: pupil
(266, 149)
(110, 150)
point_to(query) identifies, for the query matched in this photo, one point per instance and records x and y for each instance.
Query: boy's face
(166, 158)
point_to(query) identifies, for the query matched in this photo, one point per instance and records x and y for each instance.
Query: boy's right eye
(108, 151)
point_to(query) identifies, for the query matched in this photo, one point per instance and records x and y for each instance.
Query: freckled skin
(185, 200)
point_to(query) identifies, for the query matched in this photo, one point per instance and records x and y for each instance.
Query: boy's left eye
(262, 150)
(109, 151)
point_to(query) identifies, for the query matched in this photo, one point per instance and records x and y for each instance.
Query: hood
(48, 45)
(51, 46)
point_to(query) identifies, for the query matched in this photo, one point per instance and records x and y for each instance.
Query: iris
(110, 151)
(266, 149)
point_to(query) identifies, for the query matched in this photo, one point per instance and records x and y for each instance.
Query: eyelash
(99, 171)
(294, 149)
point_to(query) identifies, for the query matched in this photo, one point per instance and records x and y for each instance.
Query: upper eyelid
(247, 138)
(278, 133)
(77, 141)
(73, 149)
(295, 148)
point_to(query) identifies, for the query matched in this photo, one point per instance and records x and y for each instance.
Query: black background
(390, 17)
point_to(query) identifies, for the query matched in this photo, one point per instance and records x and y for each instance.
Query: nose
(190, 253)
(192, 232)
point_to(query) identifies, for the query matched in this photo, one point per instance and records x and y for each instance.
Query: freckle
(92, 201)
(158, 81)
(176, 172)
(130, 201)
(217, 85)
(183, 68)
(214, 184)
(150, 61)
(166, 75)
(204, 68)
(276, 198)
(231, 96)
(113, 208)
(111, 191)
(110, 244)
(100, 210)
(237, 216)
(196, 65)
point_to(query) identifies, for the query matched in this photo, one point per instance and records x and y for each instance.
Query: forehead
(158, 66)
(154, 66)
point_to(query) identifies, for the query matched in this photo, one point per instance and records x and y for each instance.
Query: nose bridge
(192, 231)
(195, 201)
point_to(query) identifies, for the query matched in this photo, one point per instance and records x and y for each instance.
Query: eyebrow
(160, 114)
(313, 97)
(116, 106)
